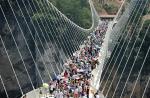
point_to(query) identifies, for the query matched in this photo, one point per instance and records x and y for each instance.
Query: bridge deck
(94, 81)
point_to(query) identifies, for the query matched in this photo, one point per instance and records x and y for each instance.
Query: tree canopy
(76, 10)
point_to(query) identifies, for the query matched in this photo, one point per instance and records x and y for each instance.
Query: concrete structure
(108, 17)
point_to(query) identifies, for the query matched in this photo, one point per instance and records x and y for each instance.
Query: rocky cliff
(30, 41)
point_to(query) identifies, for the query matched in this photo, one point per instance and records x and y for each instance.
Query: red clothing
(65, 74)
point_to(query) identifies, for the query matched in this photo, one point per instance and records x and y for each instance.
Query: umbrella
(80, 70)
(75, 77)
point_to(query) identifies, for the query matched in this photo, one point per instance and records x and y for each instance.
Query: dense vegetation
(76, 10)
(106, 6)
(48, 14)
(110, 8)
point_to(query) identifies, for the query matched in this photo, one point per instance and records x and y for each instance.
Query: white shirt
(97, 96)
(61, 95)
(76, 91)
(85, 96)
(51, 87)
(56, 94)
(82, 82)
(80, 89)
(59, 77)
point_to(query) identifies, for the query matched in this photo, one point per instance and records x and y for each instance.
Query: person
(61, 94)
(59, 76)
(85, 95)
(40, 92)
(25, 96)
(65, 74)
(51, 89)
(87, 91)
(56, 94)
(97, 95)
(80, 90)
(76, 92)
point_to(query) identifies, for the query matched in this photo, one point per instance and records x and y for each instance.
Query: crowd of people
(74, 81)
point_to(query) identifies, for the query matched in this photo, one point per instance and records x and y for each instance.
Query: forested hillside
(77, 10)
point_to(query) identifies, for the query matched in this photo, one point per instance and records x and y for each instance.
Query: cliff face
(127, 64)
(27, 49)
(138, 91)
(5, 67)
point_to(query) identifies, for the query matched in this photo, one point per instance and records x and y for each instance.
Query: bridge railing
(119, 25)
